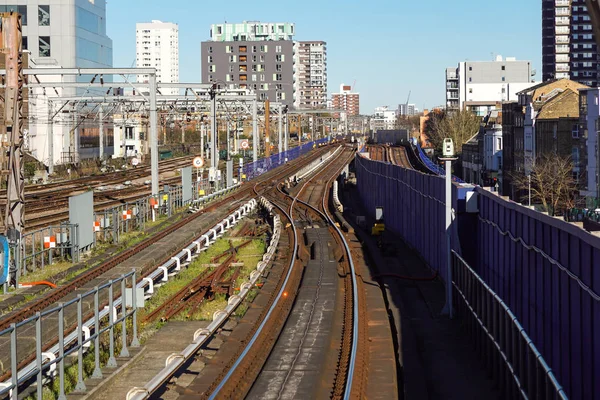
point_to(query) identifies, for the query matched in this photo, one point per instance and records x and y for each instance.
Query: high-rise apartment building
(252, 55)
(407, 109)
(157, 46)
(480, 85)
(67, 34)
(569, 49)
(346, 100)
(310, 71)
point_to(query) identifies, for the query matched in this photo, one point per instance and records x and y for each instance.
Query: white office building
(67, 34)
(383, 118)
(157, 46)
(481, 85)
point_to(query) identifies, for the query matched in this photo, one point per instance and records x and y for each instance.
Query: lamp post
(448, 153)
(529, 188)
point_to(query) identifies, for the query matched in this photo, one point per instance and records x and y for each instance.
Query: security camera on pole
(448, 157)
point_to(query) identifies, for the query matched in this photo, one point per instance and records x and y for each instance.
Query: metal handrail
(513, 366)
(39, 366)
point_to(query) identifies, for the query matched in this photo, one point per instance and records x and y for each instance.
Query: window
(228, 49)
(254, 49)
(262, 77)
(210, 50)
(44, 45)
(470, 90)
(44, 15)
(232, 59)
(212, 68)
(470, 79)
(243, 49)
(254, 58)
(278, 67)
(277, 49)
(23, 11)
(24, 42)
(129, 133)
(470, 68)
(219, 30)
(280, 58)
(264, 86)
(503, 68)
(243, 77)
(499, 143)
(253, 77)
(575, 131)
(231, 68)
(262, 58)
(264, 48)
(277, 77)
(243, 68)
(503, 79)
(243, 58)
(210, 59)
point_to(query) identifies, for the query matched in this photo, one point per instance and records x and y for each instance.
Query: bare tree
(411, 123)
(552, 183)
(459, 126)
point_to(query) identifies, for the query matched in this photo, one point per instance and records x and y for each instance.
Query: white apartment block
(67, 34)
(383, 119)
(480, 85)
(157, 46)
(407, 109)
(310, 75)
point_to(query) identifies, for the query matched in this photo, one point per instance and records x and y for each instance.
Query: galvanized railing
(508, 353)
(81, 321)
(72, 341)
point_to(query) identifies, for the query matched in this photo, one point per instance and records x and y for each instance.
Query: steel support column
(279, 129)
(254, 130)
(153, 135)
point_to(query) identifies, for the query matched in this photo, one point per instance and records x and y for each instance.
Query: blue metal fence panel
(263, 165)
(413, 206)
(548, 272)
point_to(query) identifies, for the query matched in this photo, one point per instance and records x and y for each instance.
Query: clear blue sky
(388, 47)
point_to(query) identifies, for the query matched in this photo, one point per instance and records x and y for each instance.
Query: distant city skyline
(384, 68)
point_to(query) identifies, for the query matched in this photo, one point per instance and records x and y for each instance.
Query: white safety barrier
(201, 336)
(196, 205)
(336, 200)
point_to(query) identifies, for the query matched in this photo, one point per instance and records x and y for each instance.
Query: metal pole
(286, 134)
(202, 133)
(228, 140)
(101, 129)
(448, 248)
(182, 130)
(254, 130)
(279, 128)
(529, 184)
(61, 352)
(80, 387)
(97, 374)
(134, 340)
(14, 376)
(153, 134)
(214, 159)
(50, 139)
(124, 351)
(123, 130)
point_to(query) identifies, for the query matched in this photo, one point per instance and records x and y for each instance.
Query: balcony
(562, 48)
(563, 11)
(562, 3)
(562, 58)
(563, 67)
(562, 21)
(562, 30)
(563, 39)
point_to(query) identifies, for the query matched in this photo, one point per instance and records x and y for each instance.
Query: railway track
(48, 204)
(308, 275)
(60, 293)
(398, 156)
